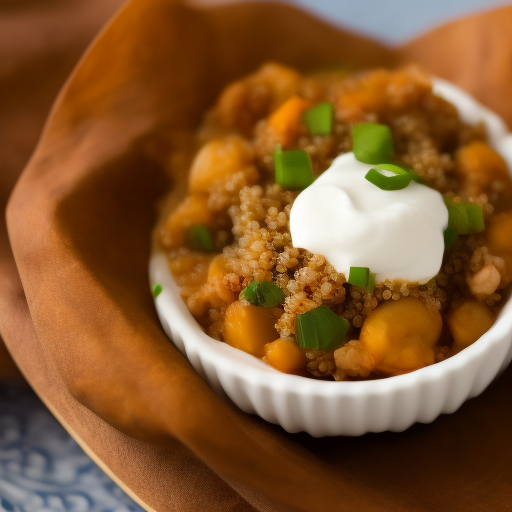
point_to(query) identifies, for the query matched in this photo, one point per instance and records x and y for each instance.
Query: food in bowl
(342, 226)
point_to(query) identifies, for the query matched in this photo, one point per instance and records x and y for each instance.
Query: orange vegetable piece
(190, 269)
(382, 90)
(192, 210)
(285, 120)
(499, 242)
(355, 104)
(216, 273)
(245, 102)
(468, 322)
(401, 335)
(249, 328)
(368, 96)
(479, 165)
(285, 356)
(499, 234)
(217, 160)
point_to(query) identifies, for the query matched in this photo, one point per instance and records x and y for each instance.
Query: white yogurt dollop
(396, 234)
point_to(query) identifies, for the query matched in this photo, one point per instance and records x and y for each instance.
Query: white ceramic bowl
(328, 408)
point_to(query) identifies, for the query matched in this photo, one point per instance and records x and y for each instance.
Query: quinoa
(251, 212)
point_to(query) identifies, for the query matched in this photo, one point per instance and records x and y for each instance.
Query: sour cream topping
(396, 234)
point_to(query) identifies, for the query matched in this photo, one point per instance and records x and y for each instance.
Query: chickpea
(401, 335)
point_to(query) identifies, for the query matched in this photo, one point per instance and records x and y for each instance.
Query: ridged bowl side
(324, 408)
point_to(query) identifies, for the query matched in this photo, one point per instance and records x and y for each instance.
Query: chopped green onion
(371, 282)
(293, 169)
(200, 238)
(400, 170)
(359, 276)
(466, 218)
(400, 180)
(263, 293)
(450, 236)
(250, 292)
(362, 277)
(396, 169)
(457, 217)
(475, 216)
(372, 143)
(321, 329)
(157, 290)
(271, 295)
(319, 118)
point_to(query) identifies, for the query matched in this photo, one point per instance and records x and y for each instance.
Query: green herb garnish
(157, 290)
(399, 180)
(200, 238)
(450, 236)
(321, 329)
(263, 293)
(359, 276)
(293, 169)
(372, 143)
(362, 277)
(475, 215)
(319, 118)
(464, 217)
(370, 286)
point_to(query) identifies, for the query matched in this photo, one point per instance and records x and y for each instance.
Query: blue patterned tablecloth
(41, 468)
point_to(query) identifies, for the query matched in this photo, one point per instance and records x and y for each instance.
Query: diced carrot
(245, 102)
(216, 274)
(479, 165)
(285, 120)
(286, 356)
(249, 328)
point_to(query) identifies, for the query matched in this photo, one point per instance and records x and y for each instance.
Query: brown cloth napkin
(78, 317)
(40, 42)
